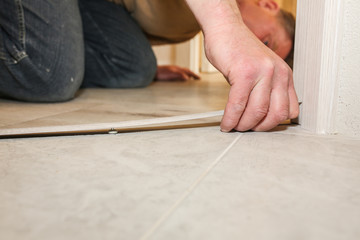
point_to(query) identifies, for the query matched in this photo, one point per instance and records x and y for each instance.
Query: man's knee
(140, 73)
(55, 89)
(27, 81)
(118, 56)
(56, 85)
(117, 71)
(37, 68)
(144, 71)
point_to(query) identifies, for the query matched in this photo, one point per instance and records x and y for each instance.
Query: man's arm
(262, 91)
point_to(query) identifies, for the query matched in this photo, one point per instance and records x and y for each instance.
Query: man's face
(261, 18)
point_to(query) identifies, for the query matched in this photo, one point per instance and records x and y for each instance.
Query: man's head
(273, 26)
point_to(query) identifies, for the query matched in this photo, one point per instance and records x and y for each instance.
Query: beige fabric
(164, 21)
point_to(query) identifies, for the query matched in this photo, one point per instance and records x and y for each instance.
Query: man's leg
(41, 50)
(117, 53)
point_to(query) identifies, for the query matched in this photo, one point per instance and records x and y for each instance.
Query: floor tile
(18, 113)
(172, 184)
(275, 186)
(99, 187)
(115, 105)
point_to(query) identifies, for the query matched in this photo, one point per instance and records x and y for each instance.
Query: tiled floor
(194, 183)
(161, 99)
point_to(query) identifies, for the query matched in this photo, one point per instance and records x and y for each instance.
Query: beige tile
(114, 105)
(110, 113)
(99, 187)
(275, 186)
(16, 113)
(287, 184)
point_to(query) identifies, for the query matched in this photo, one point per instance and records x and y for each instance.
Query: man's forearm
(213, 14)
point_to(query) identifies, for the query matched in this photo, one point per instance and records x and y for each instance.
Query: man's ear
(269, 5)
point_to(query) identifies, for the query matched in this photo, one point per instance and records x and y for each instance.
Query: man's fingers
(190, 73)
(174, 73)
(238, 97)
(294, 105)
(278, 109)
(257, 106)
(182, 76)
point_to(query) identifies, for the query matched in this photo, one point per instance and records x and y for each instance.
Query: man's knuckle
(281, 116)
(268, 63)
(249, 72)
(239, 106)
(283, 73)
(260, 113)
(268, 66)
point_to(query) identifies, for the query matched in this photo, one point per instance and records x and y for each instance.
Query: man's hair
(287, 20)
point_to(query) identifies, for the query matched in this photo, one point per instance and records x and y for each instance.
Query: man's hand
(262, 93)
(174, 73)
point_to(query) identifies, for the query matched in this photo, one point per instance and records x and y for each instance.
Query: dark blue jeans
(50, 48)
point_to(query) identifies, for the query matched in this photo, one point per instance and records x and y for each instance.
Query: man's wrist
(216, 14)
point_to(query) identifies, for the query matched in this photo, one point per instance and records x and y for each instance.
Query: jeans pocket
(12, 33)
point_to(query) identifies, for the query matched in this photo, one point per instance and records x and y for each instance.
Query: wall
(288, 5)
(186, 54)
(165, 54)
(189, 54)
(348, 108)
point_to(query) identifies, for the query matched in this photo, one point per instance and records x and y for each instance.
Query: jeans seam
(21, 23)
(19, 56)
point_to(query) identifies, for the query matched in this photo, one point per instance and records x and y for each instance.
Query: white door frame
(319, 32)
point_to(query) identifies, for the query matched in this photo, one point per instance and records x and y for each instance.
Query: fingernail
(223, 130)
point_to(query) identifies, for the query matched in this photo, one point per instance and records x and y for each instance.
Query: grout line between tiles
(170, 210)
